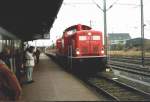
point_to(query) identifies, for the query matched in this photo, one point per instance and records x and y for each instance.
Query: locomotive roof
(75, 26)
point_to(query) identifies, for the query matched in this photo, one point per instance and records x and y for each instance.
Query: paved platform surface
(54, 84)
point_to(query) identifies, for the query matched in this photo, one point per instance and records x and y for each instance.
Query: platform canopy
(28, 19)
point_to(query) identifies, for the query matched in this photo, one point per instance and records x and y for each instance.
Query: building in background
(115, 39)
(135, 44)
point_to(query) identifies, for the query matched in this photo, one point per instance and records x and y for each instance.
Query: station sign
(46, 36)
(41, 36)
(37, 36)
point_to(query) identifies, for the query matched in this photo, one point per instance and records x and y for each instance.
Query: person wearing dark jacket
(10, 89)
(19, 65)
(5, 55)
(37, 54)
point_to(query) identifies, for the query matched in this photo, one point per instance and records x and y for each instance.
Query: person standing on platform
(19, 65)
(5, 55)
(10, 89)
(29, 63)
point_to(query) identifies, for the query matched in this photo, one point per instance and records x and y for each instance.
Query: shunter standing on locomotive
(81, 48)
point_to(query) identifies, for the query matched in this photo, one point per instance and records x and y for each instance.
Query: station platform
(52, 83)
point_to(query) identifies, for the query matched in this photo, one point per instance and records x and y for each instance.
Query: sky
(122, 17)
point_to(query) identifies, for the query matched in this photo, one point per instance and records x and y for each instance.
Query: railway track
(131, 60)
(116, 91)
(127, 64)
(132, 68)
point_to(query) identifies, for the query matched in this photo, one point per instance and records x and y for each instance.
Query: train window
(82, 37)
(71, 31)
(95, 37)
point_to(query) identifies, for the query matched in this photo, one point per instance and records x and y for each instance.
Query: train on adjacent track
(81, 49)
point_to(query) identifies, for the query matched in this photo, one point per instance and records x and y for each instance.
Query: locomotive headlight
(77, 52)
(102, 51)
(89, 33)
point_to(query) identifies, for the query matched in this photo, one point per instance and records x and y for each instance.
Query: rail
(116, 91)
(131, 60)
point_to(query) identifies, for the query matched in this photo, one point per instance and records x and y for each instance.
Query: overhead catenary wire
(97, 5)
(127, 4)
(108, 7)
(112, 5)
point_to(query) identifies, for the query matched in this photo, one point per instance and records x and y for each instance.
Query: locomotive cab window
(70, 32)
(82, 38)
(95, 37)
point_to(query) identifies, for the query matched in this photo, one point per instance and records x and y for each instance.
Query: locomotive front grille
(84, 50)
(95, 49)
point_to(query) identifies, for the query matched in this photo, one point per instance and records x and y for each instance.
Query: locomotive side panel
(58, 46)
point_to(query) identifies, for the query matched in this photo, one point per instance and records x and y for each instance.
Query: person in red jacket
(10, 88)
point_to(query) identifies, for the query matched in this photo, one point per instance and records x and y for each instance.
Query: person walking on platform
(37, 54)
(10, 89)
(29, 63)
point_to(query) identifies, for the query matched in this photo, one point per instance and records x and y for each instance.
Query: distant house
(136, 42)
(118, 38)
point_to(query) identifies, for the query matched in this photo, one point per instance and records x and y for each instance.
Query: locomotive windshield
(93, 37)
(82, 38)
(70, 32)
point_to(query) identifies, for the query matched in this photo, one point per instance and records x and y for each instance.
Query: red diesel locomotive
(81, 48)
